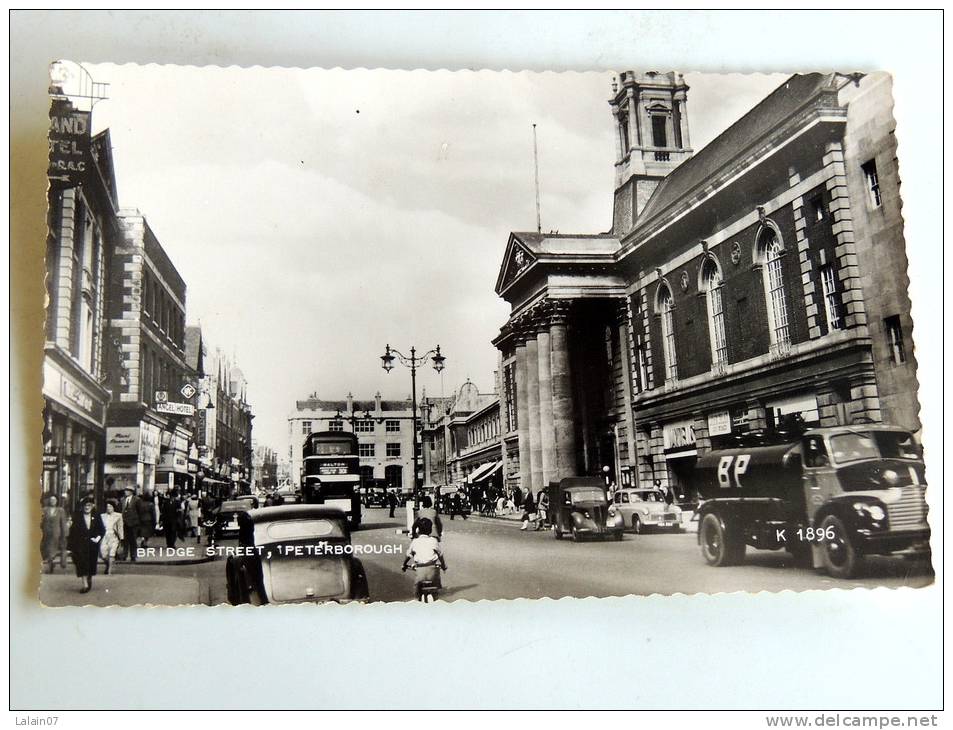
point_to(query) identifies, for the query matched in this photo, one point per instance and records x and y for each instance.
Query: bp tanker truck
(829, 496)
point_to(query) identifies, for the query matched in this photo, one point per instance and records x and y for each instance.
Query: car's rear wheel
(557, 533)
(575, 534)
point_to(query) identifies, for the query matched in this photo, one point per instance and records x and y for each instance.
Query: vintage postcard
(352, 335)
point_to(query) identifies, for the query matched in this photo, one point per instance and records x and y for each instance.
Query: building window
(624, 133)
(366, 451)
(873, 183)
(832, 301)
(509, 395)
(306, 427)
(817, 208)
(392, 426)
(895, 339)
(666, 309)
(364, 426)
(659, 137)
(335, 425)
(393, 449)
(641, 367)
(711, 282)
(771, 251)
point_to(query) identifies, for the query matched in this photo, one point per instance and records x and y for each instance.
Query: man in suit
(130, 522)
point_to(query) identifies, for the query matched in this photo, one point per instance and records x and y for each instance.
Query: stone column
(547, 431)
(522, 412)
(563, 423)
(532, 398)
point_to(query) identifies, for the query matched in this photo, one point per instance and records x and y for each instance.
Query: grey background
(858, 649)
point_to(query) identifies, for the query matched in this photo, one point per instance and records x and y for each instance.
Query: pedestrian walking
(148, 518)
(669, 496)
(131, 522)
(170, 520)
(85, 534)
(194, 515)
(517, 497)
(113, 537)
(542, 508)
(391, 502)
(54, 527)
(529, 510)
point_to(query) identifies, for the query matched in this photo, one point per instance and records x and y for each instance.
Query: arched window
(665, 306)
(770, 249)
(711, 285)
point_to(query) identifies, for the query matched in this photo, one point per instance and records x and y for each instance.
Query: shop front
(132, 454)
(172, 469)
(73, 433)
(680, 451)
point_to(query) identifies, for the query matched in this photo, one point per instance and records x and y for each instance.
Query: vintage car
(226, 518)
(446, 502)
(641, 508)
(580, 506)
(373, 496)
(294, 554)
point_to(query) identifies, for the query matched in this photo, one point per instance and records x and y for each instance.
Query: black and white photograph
(351, 335)
(453, 360)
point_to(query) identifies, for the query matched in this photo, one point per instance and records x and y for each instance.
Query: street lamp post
(387, 359)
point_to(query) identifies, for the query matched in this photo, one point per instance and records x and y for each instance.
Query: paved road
(494, 559)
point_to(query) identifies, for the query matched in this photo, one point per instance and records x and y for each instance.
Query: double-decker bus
(332, 474)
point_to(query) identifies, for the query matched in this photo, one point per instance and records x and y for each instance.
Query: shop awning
(484, 472)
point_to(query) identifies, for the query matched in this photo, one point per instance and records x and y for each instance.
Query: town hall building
(757, 282)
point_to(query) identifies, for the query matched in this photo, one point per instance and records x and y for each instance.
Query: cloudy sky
(318, 215)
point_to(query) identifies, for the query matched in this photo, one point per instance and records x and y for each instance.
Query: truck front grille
(908, 511)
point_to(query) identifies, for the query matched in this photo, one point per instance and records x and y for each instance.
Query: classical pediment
(516, 260)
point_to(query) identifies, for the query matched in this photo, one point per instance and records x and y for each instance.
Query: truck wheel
(718, 547)
(841, 558)
(557, 533)
(636, 525)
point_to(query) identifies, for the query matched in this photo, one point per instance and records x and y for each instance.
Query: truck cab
(832, 495)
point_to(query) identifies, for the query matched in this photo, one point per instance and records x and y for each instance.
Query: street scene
(319, 336)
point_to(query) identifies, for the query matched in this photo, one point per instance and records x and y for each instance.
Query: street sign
(188, 390)
(162, 396)
(177, 409)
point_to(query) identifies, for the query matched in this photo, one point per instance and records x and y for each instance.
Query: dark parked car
(580, 506)
(226, 518)
(374, 496)
(294, 554)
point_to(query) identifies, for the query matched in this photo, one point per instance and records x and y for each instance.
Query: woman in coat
(85, 534)
(54, 527)
(170, 519)
(112, 522)
(147, 518)
(195, 516)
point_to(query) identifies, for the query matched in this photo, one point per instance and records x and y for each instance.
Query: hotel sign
(176, 409)
(69, 142)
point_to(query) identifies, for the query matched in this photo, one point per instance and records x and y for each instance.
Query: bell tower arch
(651, 139)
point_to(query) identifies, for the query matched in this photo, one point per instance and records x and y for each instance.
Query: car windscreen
(587, 495)
(307, 529)
(649, 496)
(866, 445)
